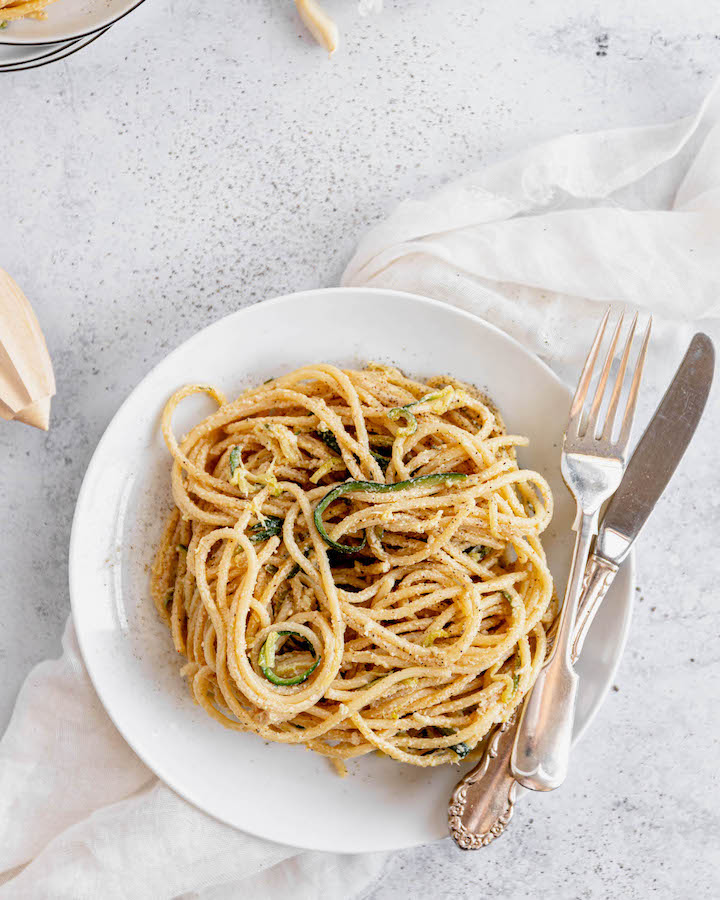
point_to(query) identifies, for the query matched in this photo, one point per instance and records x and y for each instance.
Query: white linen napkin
(532, 244)
(540, 243)
(85, 818)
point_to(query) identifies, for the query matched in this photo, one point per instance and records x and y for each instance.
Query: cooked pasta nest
(353, 563)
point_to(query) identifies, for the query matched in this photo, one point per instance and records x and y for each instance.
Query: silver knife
(651, 466)
(483, 802)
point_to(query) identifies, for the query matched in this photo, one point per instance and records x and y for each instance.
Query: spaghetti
(22, 9)
(353, 563)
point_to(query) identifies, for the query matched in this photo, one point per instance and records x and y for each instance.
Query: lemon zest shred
(330, 465)
(239, 479)
(430, 638)
(270, 479)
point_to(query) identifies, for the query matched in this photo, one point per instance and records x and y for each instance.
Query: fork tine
(602, 381)
(582, 388)
(629, 415)
(617, 388)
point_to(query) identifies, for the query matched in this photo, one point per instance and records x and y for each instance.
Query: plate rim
(74, 562)
(42, 50)
(68, 49)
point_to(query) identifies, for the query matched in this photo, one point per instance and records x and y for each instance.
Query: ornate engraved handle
(483, 802)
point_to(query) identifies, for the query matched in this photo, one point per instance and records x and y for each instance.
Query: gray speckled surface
(195, 160)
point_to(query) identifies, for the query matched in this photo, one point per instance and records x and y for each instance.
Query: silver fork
(592, 467)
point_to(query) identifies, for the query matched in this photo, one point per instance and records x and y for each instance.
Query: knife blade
(651, 466)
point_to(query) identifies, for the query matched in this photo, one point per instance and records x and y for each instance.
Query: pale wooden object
(26, 375)
(319, 24)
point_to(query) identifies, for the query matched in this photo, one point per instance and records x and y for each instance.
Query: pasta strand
(408, 616)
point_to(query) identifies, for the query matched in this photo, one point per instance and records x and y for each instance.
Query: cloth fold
(532, 244)
(83, 817)
(626, 216)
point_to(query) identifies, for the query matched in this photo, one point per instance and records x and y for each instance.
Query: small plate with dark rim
(20, 57)
(67, 20)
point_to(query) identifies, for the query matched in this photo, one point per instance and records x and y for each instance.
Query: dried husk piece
(26, 375)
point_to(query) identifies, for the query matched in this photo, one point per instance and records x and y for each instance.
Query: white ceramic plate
(283, 793)
(67, 19)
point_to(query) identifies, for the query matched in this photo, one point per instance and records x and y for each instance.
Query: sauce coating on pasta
(353, 563)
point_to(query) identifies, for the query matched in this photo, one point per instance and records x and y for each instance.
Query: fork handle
(542, 744)
(483, 801)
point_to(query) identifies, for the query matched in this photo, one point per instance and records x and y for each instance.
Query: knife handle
(599, 575)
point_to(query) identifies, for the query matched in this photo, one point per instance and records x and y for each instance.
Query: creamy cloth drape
(540, 243)
(535, 245)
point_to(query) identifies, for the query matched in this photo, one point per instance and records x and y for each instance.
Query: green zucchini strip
(266, 659)
(382, 460)
(267, 529)
(403, 412)
(330, 441)
(350, 487)
(460, 749)
(477, 553)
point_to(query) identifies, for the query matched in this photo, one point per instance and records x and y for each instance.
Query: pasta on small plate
(52, 21)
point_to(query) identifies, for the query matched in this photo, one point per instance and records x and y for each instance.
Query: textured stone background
(199, 158)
